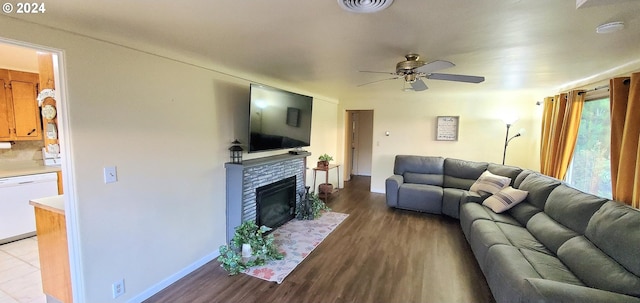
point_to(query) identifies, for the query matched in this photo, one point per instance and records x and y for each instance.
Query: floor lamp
(509, 122)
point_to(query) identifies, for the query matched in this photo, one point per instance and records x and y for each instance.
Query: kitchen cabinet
(53, 248)
(19, 112)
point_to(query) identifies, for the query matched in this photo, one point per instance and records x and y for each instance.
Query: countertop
(53, 203)
(23, 169)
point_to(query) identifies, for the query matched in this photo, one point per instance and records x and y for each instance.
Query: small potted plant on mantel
(323, 161)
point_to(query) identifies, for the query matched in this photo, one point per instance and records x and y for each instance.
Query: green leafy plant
(325, 157)
(262, 248)
(315, 207)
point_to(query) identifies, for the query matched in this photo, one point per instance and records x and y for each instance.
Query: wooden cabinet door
(19, 111)
(6, 113)
(25, 108)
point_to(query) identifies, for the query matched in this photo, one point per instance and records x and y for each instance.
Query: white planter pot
(246, 250)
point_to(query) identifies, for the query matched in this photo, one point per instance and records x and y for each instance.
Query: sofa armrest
(541, 290)
(392, 185)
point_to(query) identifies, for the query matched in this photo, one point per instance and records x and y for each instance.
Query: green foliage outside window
(590, 169)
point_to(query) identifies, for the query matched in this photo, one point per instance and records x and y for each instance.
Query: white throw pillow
(490, 183)
(505, 199)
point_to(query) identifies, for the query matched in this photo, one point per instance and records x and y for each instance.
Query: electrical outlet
(110, 174)
(118, 288)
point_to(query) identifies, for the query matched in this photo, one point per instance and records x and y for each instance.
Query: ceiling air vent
(364, 6)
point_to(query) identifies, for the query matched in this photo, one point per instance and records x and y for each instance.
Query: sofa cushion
(615, 229)
(461, 173)
(483, 234)
(521, 176)
(596, 269)
(506, 271)
(451, 200)
(572, 208)
(420, 197)
(550, 267)
(511, 172)
(541, 290)
(551, 233)
(419, 178)
(418, 164)
(521, 238)
(539, 188)
(490, 183)
(505, 199)
(470, 212)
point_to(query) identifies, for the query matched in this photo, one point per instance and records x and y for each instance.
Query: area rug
(296, 239)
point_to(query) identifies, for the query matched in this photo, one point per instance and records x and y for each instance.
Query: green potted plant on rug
(323, 161)
(310, 207)
(249, 247)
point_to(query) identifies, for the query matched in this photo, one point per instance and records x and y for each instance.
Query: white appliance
(17, 217)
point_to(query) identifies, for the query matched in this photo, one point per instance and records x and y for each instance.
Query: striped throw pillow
(490, 183)
(505, 199)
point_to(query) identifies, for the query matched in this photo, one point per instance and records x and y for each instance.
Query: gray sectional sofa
(558, 245)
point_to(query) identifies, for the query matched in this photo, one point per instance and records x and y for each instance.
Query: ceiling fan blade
(368, 71)
(419, 85)
(434, 66)
(457, 78)
(378, 81)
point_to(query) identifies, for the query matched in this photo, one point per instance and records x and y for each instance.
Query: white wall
(167, 126)
(410, 117)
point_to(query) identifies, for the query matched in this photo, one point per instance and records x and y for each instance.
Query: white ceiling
(316, 46)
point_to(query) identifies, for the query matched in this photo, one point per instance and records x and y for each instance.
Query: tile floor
(20, 280)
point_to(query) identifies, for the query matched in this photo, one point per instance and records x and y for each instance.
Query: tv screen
(278, 119)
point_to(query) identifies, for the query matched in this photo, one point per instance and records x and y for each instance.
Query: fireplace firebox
(276, 202)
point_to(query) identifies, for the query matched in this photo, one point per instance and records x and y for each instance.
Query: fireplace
(244, 178)
(276, 202)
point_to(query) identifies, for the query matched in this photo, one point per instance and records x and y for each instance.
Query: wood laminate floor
(377, 254)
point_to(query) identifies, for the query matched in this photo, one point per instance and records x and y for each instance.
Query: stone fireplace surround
(243, 179)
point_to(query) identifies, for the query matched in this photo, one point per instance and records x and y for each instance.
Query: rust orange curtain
(624, 98)
(560, 123)
(545, 145)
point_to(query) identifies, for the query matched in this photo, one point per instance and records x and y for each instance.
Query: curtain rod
(594, 89)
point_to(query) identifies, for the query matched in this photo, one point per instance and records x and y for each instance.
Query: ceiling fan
(413, 70)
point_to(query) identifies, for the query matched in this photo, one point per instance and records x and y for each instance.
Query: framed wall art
(447, 128)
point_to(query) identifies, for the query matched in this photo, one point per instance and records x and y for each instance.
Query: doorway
(50, 153)
(359, 142)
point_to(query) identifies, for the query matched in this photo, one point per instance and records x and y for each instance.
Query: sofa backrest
(518, 180)
(462, 173)
(539, 187)
(566, 215)
(420, 169)
(505, 170)
(608, 255)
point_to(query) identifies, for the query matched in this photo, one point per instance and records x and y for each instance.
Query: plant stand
(326, 170)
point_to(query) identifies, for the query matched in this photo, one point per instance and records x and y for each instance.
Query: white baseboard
(378, 190)
(173, 278)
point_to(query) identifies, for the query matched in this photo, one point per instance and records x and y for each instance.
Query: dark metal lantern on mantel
(235, 152)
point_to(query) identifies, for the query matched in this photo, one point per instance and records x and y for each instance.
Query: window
(590, 169)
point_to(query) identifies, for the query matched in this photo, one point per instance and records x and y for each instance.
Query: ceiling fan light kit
(610, 27)
(364, 6)
(412, 70)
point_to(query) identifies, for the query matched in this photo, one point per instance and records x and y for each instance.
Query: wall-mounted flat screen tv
(278, 119)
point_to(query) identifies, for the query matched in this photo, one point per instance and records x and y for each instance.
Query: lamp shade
(509, 119)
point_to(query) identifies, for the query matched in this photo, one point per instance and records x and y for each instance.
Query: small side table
(326, 179)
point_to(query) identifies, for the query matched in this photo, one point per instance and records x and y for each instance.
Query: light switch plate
(110, 174)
